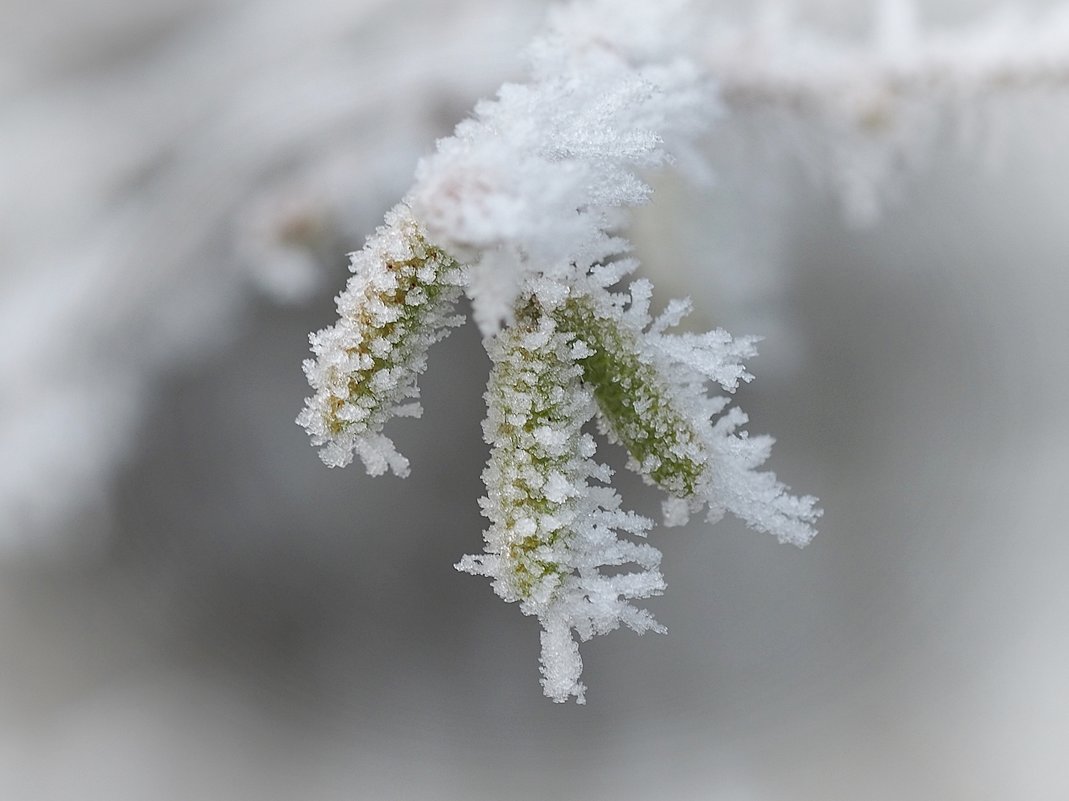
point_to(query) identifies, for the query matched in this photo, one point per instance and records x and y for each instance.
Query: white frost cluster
(534, 182)
(529, 195)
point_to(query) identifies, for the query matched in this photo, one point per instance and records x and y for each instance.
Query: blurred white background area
(193, 607)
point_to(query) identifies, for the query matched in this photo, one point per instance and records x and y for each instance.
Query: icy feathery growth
(529, 194)
(650, 385)
(551, 529)
(535, 181)
(394, 307)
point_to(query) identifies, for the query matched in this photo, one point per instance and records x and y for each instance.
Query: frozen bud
(396, 305)
(551, 527)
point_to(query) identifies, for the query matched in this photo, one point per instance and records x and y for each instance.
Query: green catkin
(416, 295)
(532, 390)
(398, 303)
(634, 400)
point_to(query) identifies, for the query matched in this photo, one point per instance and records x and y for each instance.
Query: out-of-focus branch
(133, 197)
(874, 106)
(778, 64)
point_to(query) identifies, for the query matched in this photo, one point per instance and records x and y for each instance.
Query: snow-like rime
(529, 196)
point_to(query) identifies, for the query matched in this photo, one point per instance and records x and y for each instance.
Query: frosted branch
(529, 194)
(860, 113)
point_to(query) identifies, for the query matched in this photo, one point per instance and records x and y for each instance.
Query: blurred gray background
(193, 607)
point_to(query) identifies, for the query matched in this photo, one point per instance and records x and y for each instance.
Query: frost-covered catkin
(650, 387)
(634, 402)
(551, 529)
(395, 306)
